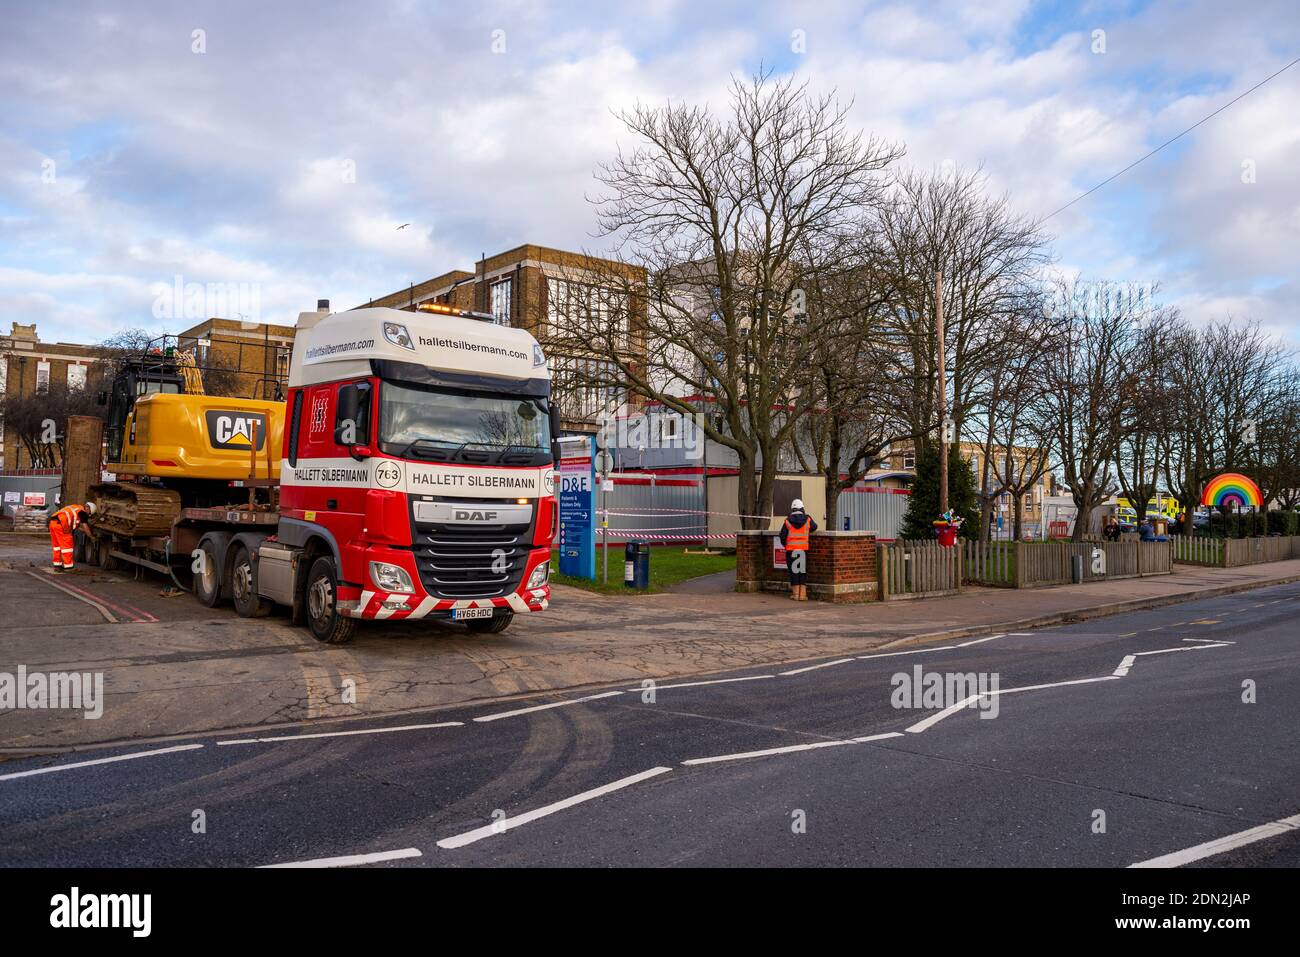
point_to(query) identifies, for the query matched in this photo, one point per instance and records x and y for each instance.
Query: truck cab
(417, 476)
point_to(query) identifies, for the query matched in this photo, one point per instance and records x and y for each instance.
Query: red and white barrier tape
(636, 533)
(648, 512)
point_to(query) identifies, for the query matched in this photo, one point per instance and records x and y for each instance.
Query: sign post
(577, 475)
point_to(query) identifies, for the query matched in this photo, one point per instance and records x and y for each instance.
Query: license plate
(461, 614)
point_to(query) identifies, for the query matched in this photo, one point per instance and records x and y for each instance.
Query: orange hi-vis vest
(68, 516)
(796, 539)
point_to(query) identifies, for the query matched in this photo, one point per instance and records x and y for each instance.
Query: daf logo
(396, 333)
(468, 515)
(235, 430)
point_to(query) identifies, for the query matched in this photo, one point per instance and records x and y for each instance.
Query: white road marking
(967, 644)
(343, 734)
(1124, 666)
(1211, 641)
(545, 707)
(788, 749)
(940, 715)
(1054, 684)
(349, 861)
(824, 664)
(104, 612)
(895, 654)
(86, 764)
(1165, 651)
(510, 823)
(878, 737)
(696, 684)
(1223, 844)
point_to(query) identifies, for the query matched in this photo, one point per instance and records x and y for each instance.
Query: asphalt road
(1162, 751)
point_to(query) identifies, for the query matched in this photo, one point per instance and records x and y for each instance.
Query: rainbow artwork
(1231, 488)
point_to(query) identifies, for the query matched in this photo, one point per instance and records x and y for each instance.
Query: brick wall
(841, 565)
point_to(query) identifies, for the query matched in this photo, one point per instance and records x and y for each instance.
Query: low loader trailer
(408, 474)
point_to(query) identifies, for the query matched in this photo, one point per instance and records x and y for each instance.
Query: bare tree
(1088, 383)
(39, 419)
(718, 224)
(990, 259)
(1148, 399)
(859, 377)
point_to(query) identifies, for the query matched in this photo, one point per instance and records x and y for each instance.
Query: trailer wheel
(207, 582)
(323, 618)
(491, 626)
(243, 587)
(102, 557)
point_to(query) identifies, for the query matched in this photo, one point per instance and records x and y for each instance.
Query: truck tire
(491, 626)
(207, 583)
(103, 559)
(323, 619)
(243, 586)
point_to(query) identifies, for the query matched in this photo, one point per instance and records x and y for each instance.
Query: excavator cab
(147, 373)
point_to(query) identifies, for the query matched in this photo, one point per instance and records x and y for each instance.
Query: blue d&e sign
(577, 475)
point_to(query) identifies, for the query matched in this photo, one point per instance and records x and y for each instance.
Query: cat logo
(235, 430)
(468, 515)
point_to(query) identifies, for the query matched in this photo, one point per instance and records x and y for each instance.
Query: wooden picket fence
(1252, 551)
(1052, 563)
(989, 563)
(918, 570)
(1232, 552)
(921, 569)
(1197, 550)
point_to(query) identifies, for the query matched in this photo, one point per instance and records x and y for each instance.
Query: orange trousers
(61, 544)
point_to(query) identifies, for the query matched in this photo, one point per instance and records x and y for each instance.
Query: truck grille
(470, 561)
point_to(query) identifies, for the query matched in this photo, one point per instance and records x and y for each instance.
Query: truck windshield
(425, 423)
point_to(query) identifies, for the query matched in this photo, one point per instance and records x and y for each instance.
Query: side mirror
(345, 415)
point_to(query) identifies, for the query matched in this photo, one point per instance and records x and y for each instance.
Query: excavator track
(136, 511)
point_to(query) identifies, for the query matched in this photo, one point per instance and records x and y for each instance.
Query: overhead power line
(1174, 139)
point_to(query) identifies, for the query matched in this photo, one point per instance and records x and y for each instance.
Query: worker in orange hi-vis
(794, 539)
(62, 524)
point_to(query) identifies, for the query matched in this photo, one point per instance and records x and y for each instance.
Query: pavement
(1161, 737)
(173, 667)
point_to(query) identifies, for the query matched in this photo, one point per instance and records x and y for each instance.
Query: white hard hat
(90, 508)
(796, 505)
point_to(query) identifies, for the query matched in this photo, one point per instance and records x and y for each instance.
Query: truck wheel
(491, 626)
(243, 587)
(103, 559)
(323, 618)
(207, 583)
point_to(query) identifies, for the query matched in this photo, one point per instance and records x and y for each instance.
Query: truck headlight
(538, 578)
(391, 578)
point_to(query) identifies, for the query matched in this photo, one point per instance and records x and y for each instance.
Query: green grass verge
(669, 564)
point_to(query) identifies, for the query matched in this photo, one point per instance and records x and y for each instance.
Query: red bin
(947, 536)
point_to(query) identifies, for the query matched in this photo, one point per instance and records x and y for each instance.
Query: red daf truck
(416, 479)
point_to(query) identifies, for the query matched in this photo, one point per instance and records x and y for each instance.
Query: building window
(909, 460)
(573, 307)
(501, 297)
(585, 388)
(42, 377)
(76, 376)
(668, 428)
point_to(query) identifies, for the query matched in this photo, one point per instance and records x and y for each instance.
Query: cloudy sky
(280, 145)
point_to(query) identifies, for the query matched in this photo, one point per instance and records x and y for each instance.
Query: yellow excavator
(173, 446)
